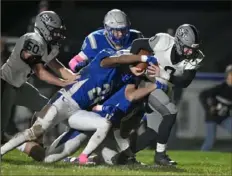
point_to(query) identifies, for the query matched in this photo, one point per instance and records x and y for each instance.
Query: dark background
(212, 18)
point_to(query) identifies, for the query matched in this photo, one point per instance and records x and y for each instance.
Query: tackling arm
(36, 64)
(44, 75)
(134, 94)
(61, 70)
(123, 59)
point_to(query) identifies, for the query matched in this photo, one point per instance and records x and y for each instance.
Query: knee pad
(160, 102)
(172, 108)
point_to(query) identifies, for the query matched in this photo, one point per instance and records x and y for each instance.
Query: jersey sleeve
(89, 47)
(160, 42)
(105, 53)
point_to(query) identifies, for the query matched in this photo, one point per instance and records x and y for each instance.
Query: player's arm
(31, 54)
(46, 76)
(133, 93)
(87, 53)
(61, 70)
(114, 61)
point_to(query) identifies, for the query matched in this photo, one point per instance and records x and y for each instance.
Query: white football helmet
(117, 25)
(50, 26)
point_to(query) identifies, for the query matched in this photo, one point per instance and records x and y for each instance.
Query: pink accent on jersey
(74, 61)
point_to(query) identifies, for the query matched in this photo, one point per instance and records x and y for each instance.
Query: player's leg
(211, 128)
(90, 121)
(159, 101)
(48, 117)
(124, 153)
(150, 135)
(109, 149)
(227, 124)
(41, 124)
(8, 99)
(30, 97)
(66, 144)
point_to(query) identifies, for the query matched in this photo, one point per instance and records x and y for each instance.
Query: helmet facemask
(57, 34)
(117, 27)
(187, 42)
(188, 52)
(118, 36)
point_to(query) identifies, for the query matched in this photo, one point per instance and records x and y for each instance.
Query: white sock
(22, 147)
(14, 142)
(160, 147)
(95, 140)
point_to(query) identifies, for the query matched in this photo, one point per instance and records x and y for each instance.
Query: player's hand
(149, 59)
(153, 70)
(67, 82)
(161, 86)
(73, 77)
(137, 71)
(158, 71)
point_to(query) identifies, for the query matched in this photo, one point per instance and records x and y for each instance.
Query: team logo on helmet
(182, 32)
(46, 18)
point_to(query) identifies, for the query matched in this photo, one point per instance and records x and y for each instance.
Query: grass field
(190, 163)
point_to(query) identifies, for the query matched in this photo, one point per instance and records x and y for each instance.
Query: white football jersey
(162, 45)
(16, 71)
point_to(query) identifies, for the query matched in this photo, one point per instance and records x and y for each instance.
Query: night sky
(19, 13)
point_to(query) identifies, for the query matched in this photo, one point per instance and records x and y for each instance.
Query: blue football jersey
(96, 83)
(124, 106)
(97, 41)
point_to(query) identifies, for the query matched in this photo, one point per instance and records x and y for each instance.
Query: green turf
(190, 163)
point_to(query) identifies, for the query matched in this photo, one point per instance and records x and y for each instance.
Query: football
(143, 65)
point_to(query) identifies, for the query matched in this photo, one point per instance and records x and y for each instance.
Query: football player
(124, 101)
(31, 52)
(116, 35)
(179, 57)
(97, 81)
